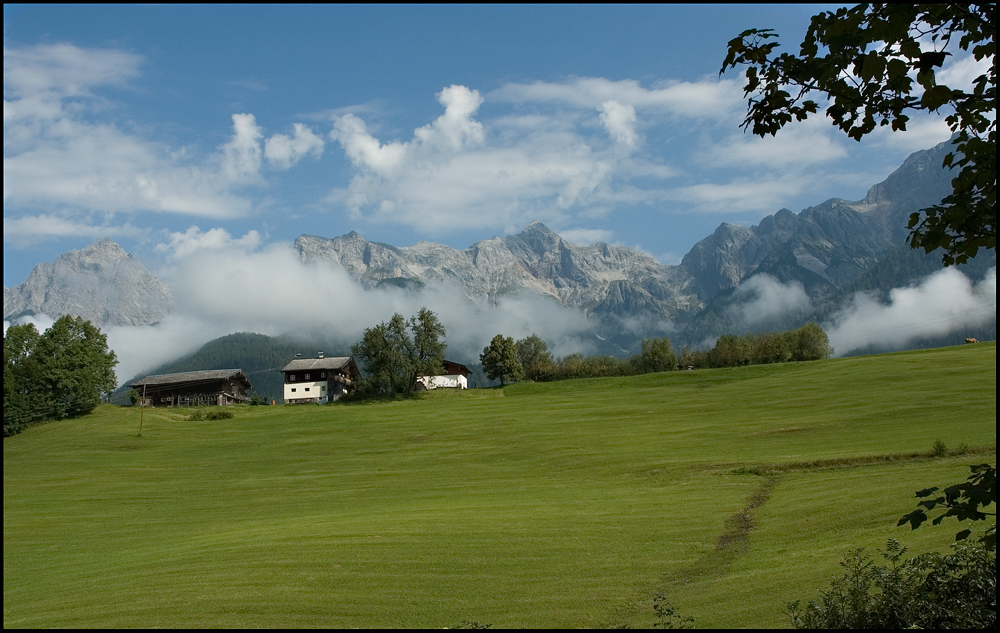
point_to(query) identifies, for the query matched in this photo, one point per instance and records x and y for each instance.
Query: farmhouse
(194, 388)
(453, 375)
(319, 380)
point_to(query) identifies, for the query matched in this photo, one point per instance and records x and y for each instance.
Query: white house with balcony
(319, 380)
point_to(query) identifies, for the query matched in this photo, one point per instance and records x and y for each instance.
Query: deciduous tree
(657, 355)
(58, 373)
(78, 366)
(428, 346)
(499, 359)
(394, 359)
(536, 361)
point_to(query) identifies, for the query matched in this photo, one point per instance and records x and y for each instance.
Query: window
(308, 377)
(293, 389)
(322, 374)
(291, 377)
(307, 388)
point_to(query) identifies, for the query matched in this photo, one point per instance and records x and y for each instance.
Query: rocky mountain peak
(101, 283)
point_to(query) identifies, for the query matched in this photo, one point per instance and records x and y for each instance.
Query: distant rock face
(101, 283)
(828, 244)
(596, 278)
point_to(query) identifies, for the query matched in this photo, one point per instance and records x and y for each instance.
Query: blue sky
(172, 127)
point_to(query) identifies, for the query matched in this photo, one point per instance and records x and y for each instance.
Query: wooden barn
(194, 388)
(319, 380)
(453, 376)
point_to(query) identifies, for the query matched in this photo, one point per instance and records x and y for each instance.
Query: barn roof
(191, 376)
(312, 364)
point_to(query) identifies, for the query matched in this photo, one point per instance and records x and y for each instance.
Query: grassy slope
(543, 505)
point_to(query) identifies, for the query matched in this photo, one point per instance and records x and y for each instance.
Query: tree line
(507, 360)
(55, 374)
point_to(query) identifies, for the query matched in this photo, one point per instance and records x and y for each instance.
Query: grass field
(566, 504)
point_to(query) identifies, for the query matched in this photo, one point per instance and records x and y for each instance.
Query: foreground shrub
(211, 414)
(928, 591)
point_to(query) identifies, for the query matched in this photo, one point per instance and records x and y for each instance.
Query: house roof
(451, 367)
(191, 376)
(312, 364)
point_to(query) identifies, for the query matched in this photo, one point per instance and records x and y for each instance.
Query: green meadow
(568, 504)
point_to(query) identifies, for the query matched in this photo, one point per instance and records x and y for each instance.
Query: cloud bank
(763, 298)
(942, 303)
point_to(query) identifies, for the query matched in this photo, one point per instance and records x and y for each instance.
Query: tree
(864, 60)
(731, 350)
(382, 352)
(394, 359)
(810, 342)
(772, 347)
(21, 378)
(59, 373)
(77, 366)
(499, 359)
(536, 361)
(428, 346)
(657, 355)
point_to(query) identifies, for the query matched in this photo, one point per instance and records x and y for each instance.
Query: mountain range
(825, 248)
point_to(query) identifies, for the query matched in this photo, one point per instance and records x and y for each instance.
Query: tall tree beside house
(876, 63)
(59, 373)
(499, 359)
(393, 359)
(428, 346)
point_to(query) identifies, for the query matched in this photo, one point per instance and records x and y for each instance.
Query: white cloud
(283, 151)
(182, 245)
(941, 303)
(363, 149)
(241, 156)
(64, 70)
(41, 322)
(98, 167)
(741, 195)
(585, 237)
(30, 228)
(455, 129)
(805, 143)
(707, 98)
(619, 121)
(960, 71)
(457, 173)
(922, 131)
(65, 152)
(763, 297)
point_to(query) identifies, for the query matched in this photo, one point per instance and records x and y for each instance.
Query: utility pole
(142, 409)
